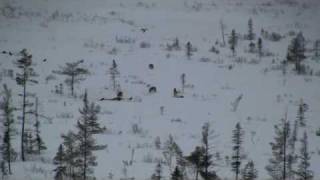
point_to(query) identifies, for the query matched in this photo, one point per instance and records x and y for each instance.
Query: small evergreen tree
(176, 44)
(59, 161)
(195, 159)
(237, 139)
(176, 175)
(303, 172)
(249, 172)
(29, 143)
(252, 47)
(86, 159)
(293, 139)
(233, 42)
(277, 167)
(7, 109)
(301, 113)
(260, 46)
(93, 111)
(296, 52)
(292, 157)
(189, 49)
(250, 30)
(86, 142)
(75, 74)
(183, 81)
(157, 175)
(206, 158)
(71, 153)
(40, 145)
(114, 73)
(170, 151)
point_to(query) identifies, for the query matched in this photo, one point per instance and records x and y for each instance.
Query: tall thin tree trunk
(85, 152)
(23, 113)
(37, 123)
(222, 32)
(206, 160)
(72, 84)
(9, 153)
(114, 81)
(284, 147)
(238, 166)
(197, 174)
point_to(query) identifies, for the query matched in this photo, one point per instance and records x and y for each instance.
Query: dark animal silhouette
(152, 89)
(119, 97)
(7, 52)
(177, 94)
(144, 30)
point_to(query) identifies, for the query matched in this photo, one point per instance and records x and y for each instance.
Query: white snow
(266, 93)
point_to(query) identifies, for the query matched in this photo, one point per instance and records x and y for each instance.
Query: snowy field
(135, 33)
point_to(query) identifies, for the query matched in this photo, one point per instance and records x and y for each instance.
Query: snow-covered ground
(69, 30)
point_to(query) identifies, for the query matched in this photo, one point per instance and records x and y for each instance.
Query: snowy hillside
(220, 88)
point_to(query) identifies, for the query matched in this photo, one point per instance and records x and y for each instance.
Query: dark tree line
(8, 154)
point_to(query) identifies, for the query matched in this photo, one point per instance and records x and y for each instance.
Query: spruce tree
(303, 172)
(233, 42)
(71, 153)
(29, 143)
(93, 110)
(250, 30)
(296, 52)
(75, 74)
(86, 142)
(302, 108)
(157, 175)
(39, 143)
(60, 162)
(260, 46)
(7, 151)
(252, 47)
(292, 157)
(249, 172)
(293, 139)
(170, 151)
(195, 159)
(206, 163)
(183, 81)
(86, 158)
(277, 167)
(24, 78)
(114, 73)
(176, 175)
(189, 49)
(176, 44)
(181, 162)
(237, 139)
